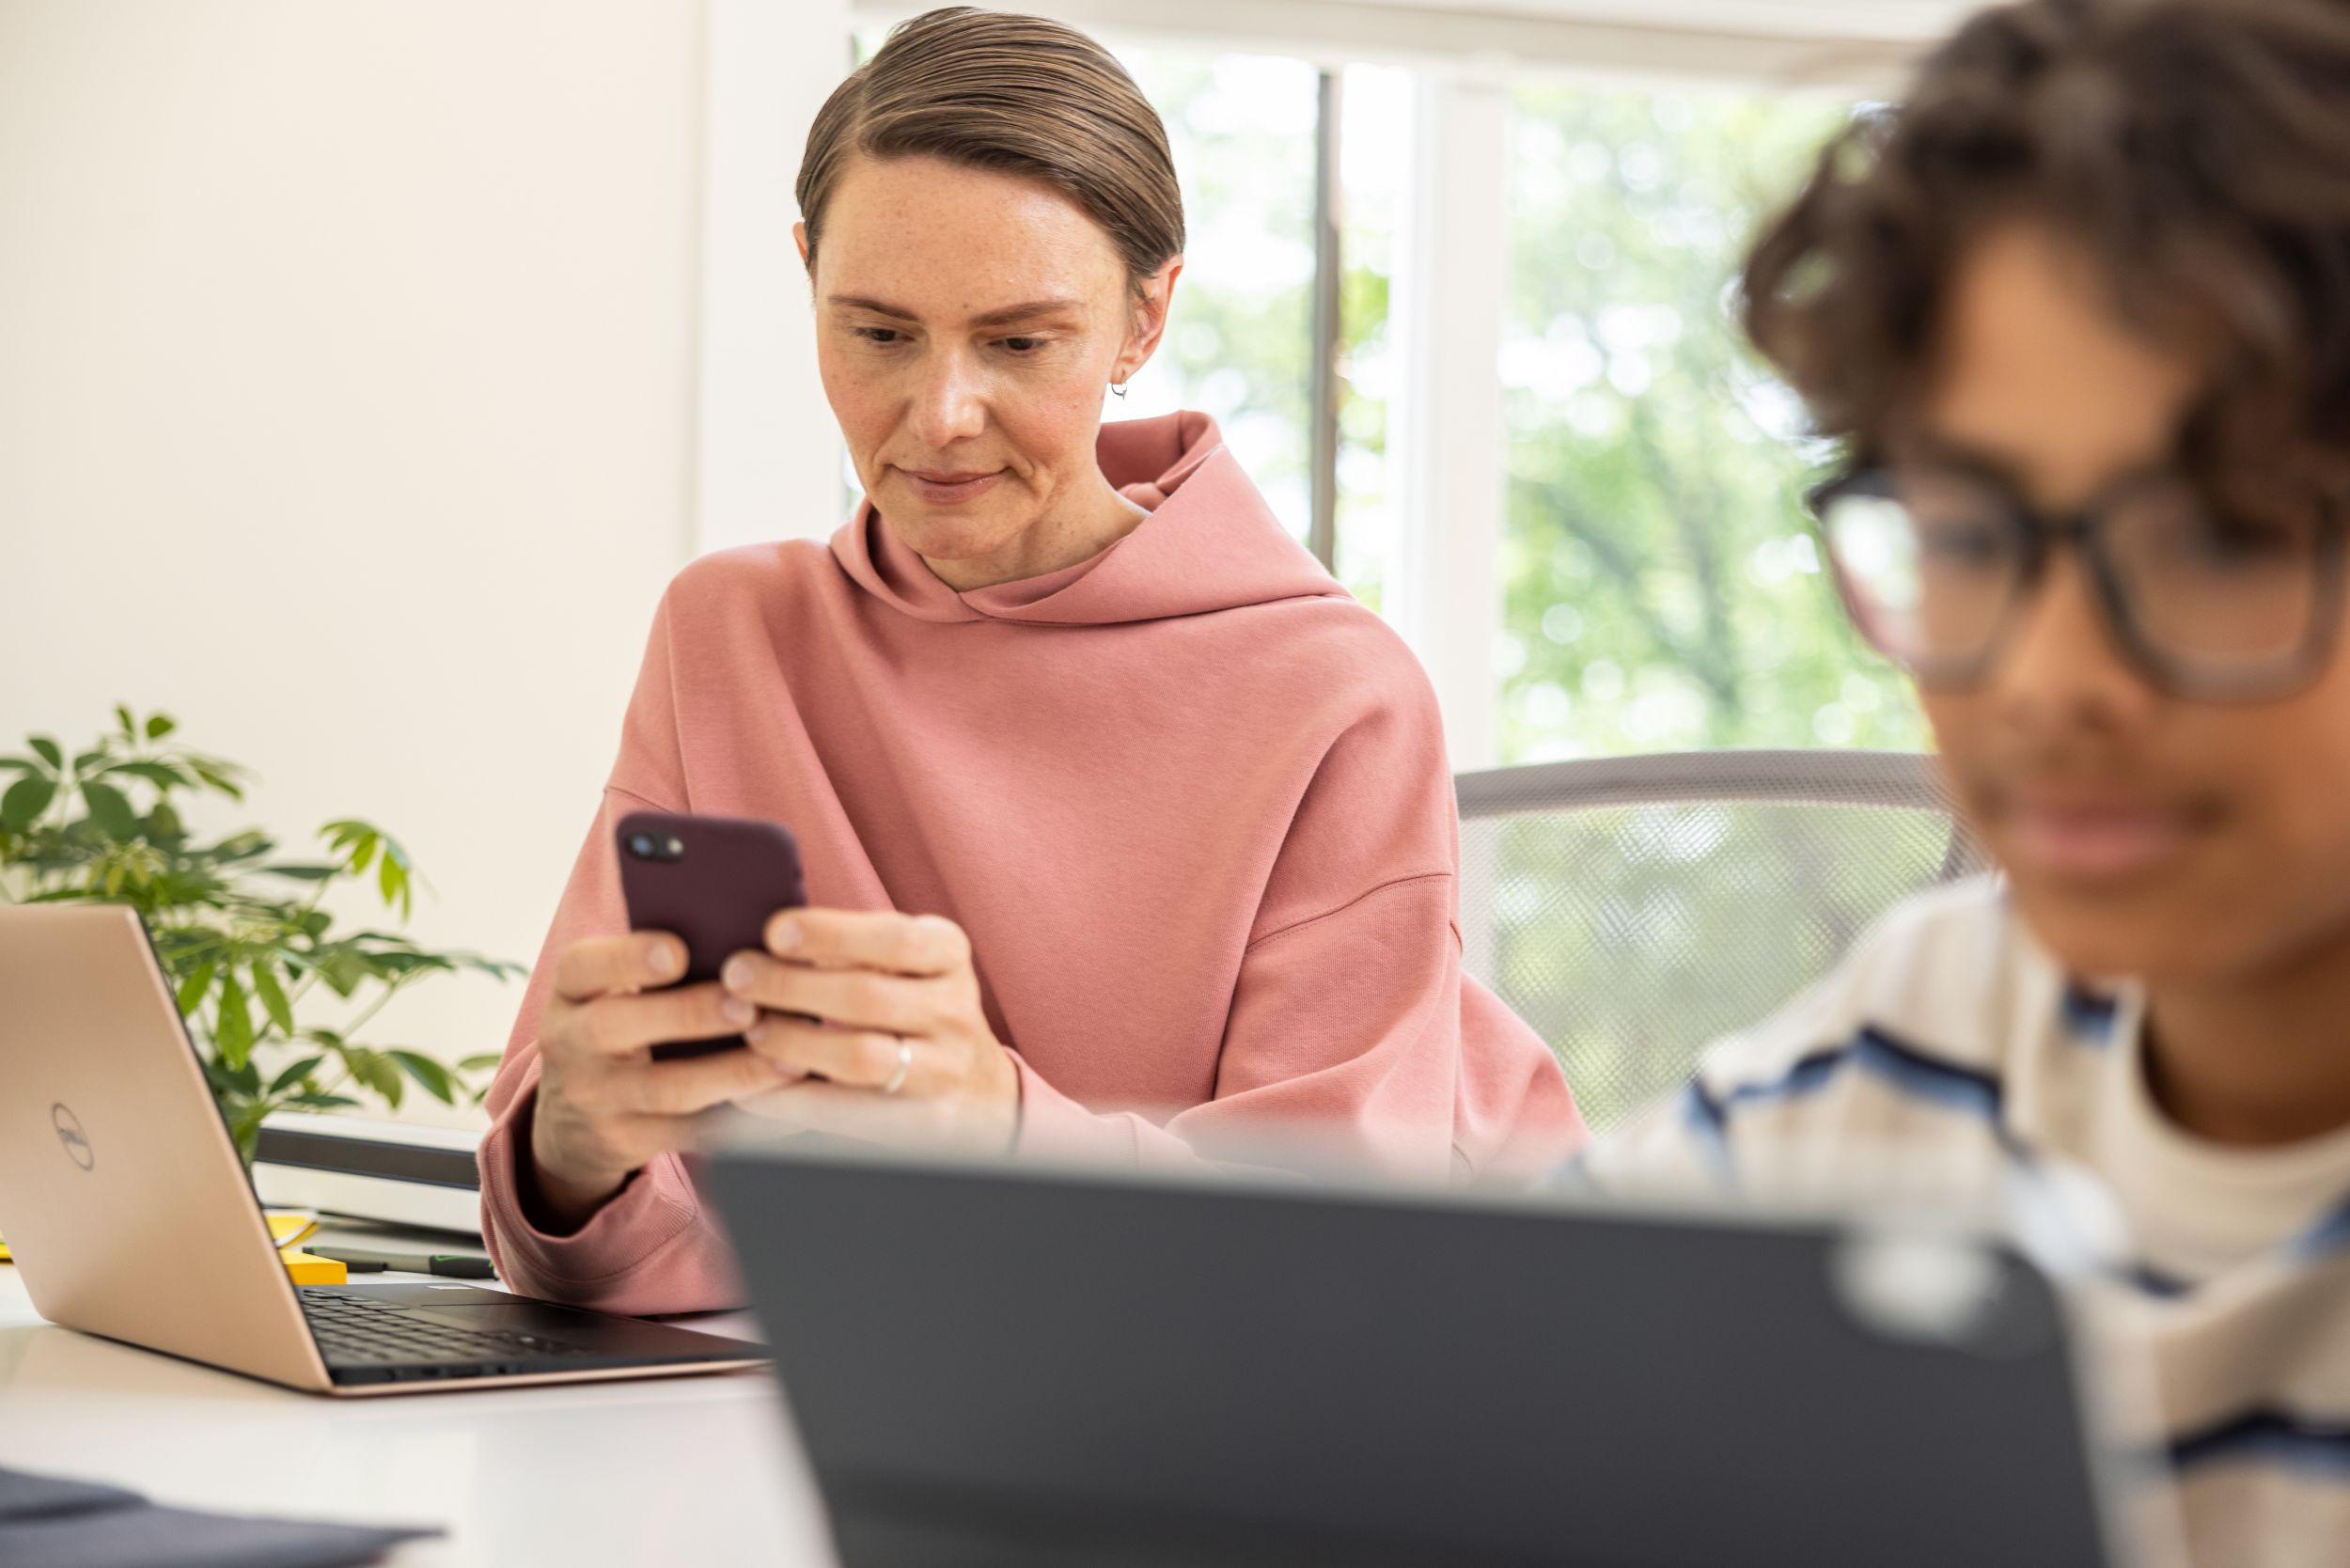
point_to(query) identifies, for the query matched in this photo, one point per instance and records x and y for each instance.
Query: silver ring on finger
(905, 1064)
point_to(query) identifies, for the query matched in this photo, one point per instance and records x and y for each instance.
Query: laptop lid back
(998, 1364)
(122, 1196)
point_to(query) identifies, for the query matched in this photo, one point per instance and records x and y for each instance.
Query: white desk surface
(683, 1470)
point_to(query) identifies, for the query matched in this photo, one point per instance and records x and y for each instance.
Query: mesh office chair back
(1633, 909)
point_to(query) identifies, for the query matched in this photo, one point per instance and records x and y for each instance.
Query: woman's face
(967, 325)
(2142, 834)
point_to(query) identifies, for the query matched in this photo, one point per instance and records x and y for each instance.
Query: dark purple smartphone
(712, 881)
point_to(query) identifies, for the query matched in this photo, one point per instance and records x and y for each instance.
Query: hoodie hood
(1210, 543)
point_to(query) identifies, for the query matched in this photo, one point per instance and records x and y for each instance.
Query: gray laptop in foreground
(997, 1365)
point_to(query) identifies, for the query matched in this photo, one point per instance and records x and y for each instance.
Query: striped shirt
(1949, 1057)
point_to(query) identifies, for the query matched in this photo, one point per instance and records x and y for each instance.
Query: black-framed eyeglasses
(2236, 602)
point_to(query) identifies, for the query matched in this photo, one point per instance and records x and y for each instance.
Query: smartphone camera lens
(677, 849)
(640, 844)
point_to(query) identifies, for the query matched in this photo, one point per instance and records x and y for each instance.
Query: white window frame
(769, 460)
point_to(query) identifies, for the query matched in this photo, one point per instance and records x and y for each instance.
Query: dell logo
(69, 1132)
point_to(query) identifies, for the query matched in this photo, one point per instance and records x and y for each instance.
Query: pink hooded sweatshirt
(1187, 797)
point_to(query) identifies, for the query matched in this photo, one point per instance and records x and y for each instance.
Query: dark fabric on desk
(46, 1522)
(27, 1497)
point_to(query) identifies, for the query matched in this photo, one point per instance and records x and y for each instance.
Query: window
(1660, 587)
(1662, 591)
(1240, 342)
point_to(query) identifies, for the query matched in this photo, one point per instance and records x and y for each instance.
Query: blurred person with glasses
(2077, 309)
(2221, 590)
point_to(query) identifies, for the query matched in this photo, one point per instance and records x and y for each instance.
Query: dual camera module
(645, 846)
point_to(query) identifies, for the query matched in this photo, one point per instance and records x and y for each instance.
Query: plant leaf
(192, 990)
(231, 1087)
(294, 1074)
(476, 1063)
(245, 1125)
(302, 874)
(343, 970)
(431, 1074)
(378, 1072)
(392, 878)
(162, 774)
(122, 718)
(159, 725)
(323, 1101)
(273, 996)
(110, 809)
(353, 841)
(217, 779)
(26, 799)
(247, 845)
(49, 752)
(233, 1034)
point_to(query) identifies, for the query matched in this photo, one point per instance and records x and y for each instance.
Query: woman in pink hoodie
(1128, 835)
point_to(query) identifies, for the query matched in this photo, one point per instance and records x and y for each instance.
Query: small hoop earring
(1117, 389)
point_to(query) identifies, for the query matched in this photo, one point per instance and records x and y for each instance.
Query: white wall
(772, 63)
(348, 379)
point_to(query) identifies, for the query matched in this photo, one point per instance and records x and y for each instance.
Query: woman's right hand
(605, 1108)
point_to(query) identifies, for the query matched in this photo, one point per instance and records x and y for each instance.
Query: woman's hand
(604, 1106)
(883, 1011)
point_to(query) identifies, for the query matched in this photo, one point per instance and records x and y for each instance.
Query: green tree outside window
(1664, 591)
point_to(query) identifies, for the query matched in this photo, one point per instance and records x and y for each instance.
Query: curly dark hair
(2199, 151)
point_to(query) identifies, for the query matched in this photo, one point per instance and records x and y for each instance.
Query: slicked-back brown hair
(2197, 151)
(1016, 94)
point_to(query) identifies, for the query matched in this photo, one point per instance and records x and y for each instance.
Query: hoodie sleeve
(1354, 1036)
(653, 1248)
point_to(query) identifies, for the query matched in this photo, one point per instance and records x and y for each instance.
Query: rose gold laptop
(129, 1214)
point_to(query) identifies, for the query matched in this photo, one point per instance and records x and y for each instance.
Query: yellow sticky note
(308, 1270)
(289, 1226)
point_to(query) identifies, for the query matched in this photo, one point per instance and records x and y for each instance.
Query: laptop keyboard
(353, 1331)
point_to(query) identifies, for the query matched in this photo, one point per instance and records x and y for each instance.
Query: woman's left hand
(898, 1049)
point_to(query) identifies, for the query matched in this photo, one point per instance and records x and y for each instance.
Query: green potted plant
(251, 951)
